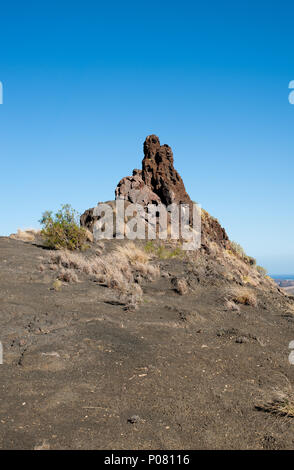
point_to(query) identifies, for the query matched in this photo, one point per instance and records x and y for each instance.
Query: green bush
(62, 229)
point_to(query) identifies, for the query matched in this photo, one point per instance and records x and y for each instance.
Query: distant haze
(278, 265)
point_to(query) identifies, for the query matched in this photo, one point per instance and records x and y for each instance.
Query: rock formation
(159, 182)
(134, 190)
(159, 174)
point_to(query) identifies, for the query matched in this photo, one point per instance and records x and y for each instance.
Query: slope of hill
(142, 345)
(183, 366)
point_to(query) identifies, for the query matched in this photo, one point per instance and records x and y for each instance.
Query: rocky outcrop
(88, 219)
(159, 174)
(212, 231)
(158, 182)
(134, 190)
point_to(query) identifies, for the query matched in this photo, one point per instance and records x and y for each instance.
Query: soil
(180, 372)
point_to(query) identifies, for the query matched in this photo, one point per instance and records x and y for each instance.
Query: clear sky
(85, 82)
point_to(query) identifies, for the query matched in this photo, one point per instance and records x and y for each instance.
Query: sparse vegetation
(237, 249)
(242, 296)
(133, 253)
(230, 305)
(282, 403)
(262, 271)
(57, 284)
(122, 270)
(180, 286)
(62, 230)
(68, 275)
(162, 251)
(27, 235)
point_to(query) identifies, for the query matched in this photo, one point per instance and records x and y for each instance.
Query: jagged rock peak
(158, 181)
(159, 174)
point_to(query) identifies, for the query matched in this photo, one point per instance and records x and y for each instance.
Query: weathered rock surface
(134, 190)
(159, 174)
(87, 219)
(212, 231)
(159, 183)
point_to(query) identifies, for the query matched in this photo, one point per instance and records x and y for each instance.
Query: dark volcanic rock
(159, 174)
(87, 219)
(159, 182)
(212, 231)
(133, 189)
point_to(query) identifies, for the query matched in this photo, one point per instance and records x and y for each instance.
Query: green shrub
(62, 229)
(163, 252)
(149, 247)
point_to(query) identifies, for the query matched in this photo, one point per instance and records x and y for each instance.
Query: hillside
(141, 344)
(184, 370)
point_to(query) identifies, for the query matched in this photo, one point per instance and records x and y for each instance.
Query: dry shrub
(180, 286)
(133, 297)
(27, 235)
(121, 270)
(57, 284)
(261, 270)
(164, 251)
(243, 296)
(68, 275)
(239, 251)
(281, 402)
(230, 305)
(249, 280)
(132, 253)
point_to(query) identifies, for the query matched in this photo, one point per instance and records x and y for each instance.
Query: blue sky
(85, 82)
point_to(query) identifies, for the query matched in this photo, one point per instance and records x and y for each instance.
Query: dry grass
(132, 253)
(68, 275)
(180, 286)
(27, 235)
(281, 402)
(57, 284)
(243, 296)
(164, 251)
(230, 305)
(249, 280)
(122, 270)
